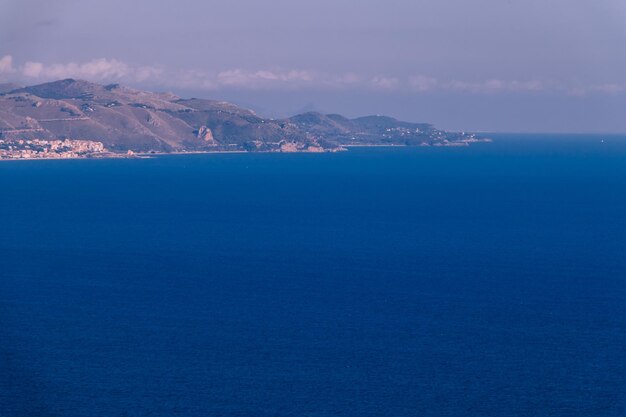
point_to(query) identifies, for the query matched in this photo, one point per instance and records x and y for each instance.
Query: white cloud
(32, 69)
(423, 83)
(533, 85)
(489, 86)
(349, 78)
(613, 88)
(6, 65)
(189, 79)
(112, 70)
(97, 69)
(381, 82)
(147, 73)
(263, 78)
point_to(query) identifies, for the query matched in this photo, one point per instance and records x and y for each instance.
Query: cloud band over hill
(104, 69)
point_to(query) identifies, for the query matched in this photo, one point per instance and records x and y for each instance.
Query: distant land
(79, 119)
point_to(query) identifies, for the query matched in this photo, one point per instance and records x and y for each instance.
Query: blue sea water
(481, 281)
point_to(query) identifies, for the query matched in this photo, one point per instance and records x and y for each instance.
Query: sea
(487, 280)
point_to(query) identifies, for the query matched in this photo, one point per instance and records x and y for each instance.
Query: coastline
(149, 155)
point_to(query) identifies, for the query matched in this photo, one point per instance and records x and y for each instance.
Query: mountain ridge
(125, 119)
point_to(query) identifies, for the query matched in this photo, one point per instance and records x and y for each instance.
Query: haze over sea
(480, 281)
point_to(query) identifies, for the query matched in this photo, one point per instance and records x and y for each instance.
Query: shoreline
(149, 155)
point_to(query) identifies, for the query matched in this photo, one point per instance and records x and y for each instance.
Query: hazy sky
(512, 65)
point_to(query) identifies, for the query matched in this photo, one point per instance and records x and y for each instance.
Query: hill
(125, 119)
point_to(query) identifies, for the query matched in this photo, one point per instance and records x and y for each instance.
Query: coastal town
(50, 149)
